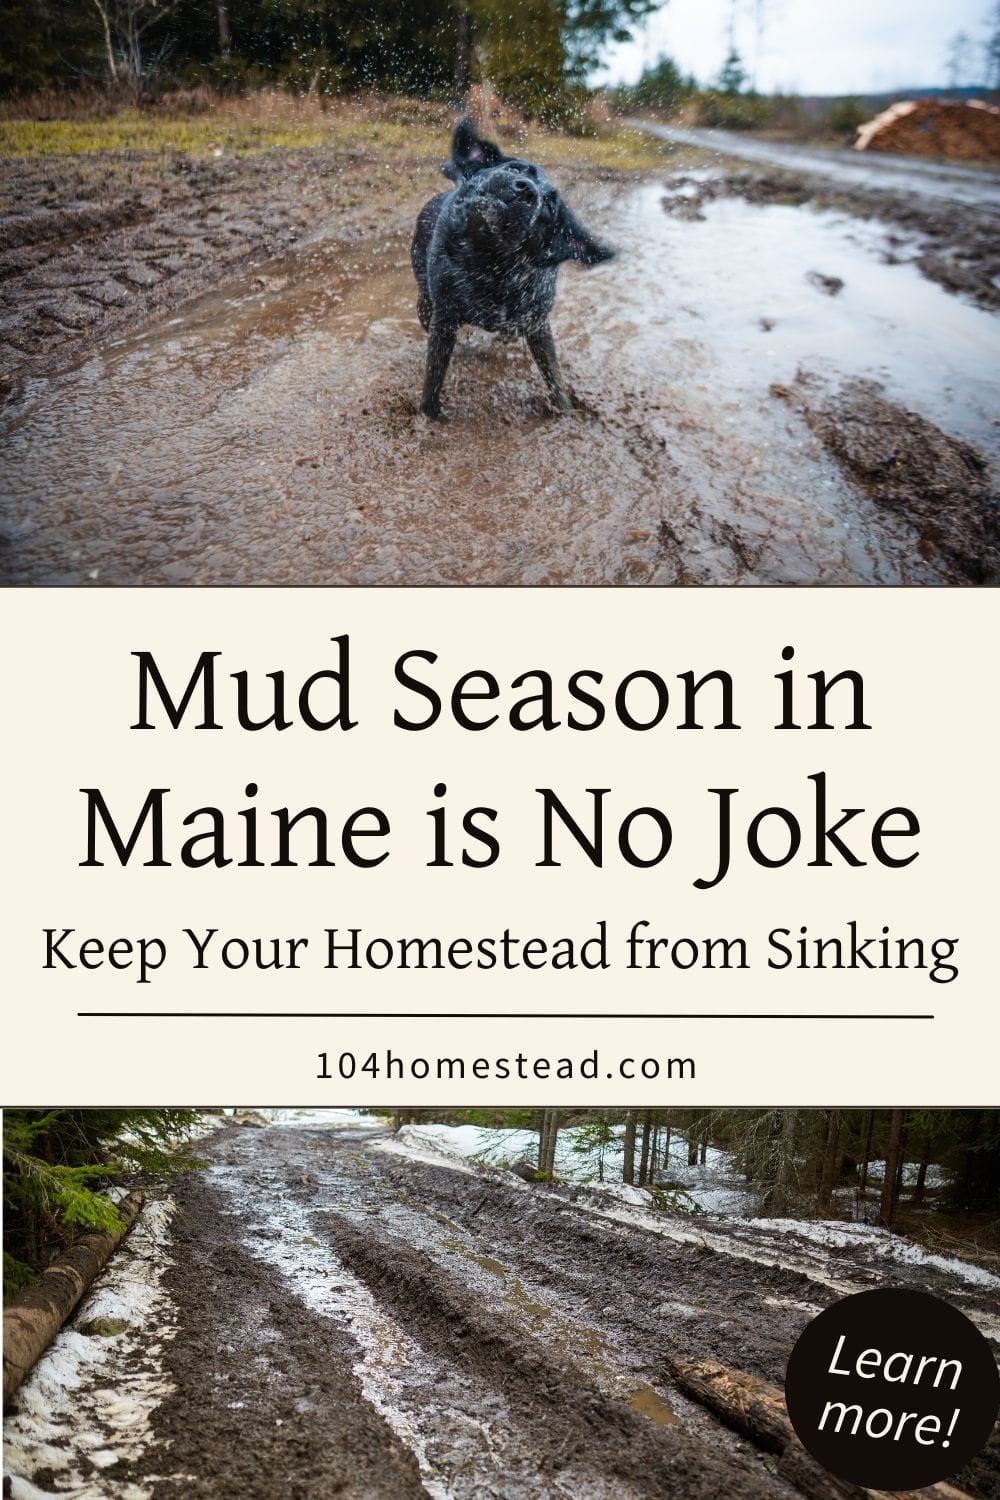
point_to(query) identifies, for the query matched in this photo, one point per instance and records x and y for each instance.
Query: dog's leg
(440, 343)
(543, 351)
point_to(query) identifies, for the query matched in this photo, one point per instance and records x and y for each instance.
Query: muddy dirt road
(905, 174)
(268, 433)
(335, 1318)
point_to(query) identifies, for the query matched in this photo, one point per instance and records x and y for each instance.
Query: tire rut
(265, 1405)
(569, 1421)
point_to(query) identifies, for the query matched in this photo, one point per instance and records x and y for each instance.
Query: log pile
(967, 130)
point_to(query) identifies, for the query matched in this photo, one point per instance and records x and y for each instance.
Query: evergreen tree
(733, 78)
(56, 1163)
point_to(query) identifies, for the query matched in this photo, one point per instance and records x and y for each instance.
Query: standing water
(270, 435)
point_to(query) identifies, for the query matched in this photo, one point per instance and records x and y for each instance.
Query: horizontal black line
(474, 1015)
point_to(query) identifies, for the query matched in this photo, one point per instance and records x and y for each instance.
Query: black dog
(488, 253)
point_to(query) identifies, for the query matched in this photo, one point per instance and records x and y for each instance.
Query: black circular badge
(892, 1389)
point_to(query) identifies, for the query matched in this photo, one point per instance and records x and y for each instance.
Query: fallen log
(35, 1315)
(756, 1409)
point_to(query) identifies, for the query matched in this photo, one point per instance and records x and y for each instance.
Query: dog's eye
(531, 171)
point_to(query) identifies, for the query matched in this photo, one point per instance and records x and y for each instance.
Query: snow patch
(421, 1143)
(89, 1400)
(320, 1118)
(889, 1246)
(707, 1187)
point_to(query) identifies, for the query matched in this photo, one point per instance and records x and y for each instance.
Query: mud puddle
(269, 435)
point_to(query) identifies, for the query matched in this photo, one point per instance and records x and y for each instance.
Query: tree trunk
(866, 1153)
(925, 1161)
(890, 1181)
(647, 1122)
(550, 1156)
(109, 49)
(32, 1319)
(543, 1125)
(831, 1156)
(628, 1163)
(748, 1404)
(703, 1148)
(779, 1195)
(463, 54)
(547, 1137)
(222, 15)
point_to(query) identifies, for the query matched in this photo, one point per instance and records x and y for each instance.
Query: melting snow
(389, 1363)
(880, 1242)
(67, 1418)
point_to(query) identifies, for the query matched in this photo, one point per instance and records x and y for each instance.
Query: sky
(810, 46)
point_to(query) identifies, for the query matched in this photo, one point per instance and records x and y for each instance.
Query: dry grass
(198, 124)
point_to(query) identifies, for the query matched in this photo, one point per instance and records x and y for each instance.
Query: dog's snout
(522, 186)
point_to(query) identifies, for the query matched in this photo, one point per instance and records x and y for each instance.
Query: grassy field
(276, 121)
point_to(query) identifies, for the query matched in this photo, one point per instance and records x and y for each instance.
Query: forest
(536, 53)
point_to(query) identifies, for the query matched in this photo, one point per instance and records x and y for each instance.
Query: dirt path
(912, 175)
(268, 433)
(344, 1320)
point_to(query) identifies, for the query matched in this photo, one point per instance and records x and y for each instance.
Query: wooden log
(756, 1409)
(753, 1407)
(35, 1315)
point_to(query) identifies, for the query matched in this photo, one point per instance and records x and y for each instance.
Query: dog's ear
(570, 241)
(470, 154)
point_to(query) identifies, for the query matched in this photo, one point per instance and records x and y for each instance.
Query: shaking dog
(488, 253)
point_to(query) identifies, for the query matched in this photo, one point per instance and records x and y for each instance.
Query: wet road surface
(269, 433)
(338, 1319)
(948, 181)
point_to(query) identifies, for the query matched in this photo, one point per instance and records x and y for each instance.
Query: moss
(102, 1328)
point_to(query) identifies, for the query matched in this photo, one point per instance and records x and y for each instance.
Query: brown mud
(267, 431)
(906, 463)
(102, 243)
(351, 1322)
(266, 1404)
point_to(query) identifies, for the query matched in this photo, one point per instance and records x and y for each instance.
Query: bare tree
(222, 21)
(991, 49)
(762, 14)
(959, 60)
(126, 25)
